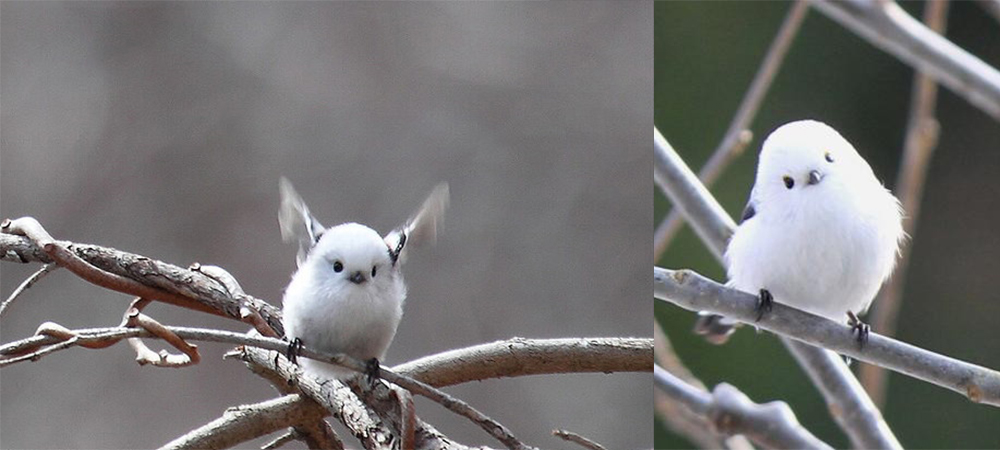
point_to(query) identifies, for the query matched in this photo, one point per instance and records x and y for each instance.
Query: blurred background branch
(922, 131)
(887, 26)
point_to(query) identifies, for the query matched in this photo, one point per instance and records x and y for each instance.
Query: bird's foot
(294, 350)
(372, 369)
(765, 301)
(860, 328)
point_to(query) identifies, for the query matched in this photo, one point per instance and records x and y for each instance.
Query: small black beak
(357, 277)
(815, 177)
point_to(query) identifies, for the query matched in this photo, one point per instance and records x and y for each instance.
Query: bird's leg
(859, 327)
(372, 369)
(764, 303)
(294, 349)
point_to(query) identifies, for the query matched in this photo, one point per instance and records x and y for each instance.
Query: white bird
(819, 233)
(347, 295)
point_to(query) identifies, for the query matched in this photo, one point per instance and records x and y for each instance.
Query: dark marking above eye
(373, 271)
(338, 266)
(828, 156)
(789, 181)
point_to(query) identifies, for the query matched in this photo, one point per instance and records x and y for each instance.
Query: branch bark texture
(692, 291)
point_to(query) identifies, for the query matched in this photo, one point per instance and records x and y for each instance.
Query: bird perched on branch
(819, 233)
(347, 295)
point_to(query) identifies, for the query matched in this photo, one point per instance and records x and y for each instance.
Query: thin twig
(145, 356)
(134, 274)
(280, 441)
(26, 284)
(694, 292)
(887, 26)
(737, 135)
(918, 148)
(703, 212)
(570, 436)
(772, 425)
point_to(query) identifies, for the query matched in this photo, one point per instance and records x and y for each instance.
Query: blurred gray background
(162, 129)
(706, 55)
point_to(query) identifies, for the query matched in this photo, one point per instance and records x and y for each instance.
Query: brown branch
(368, 424)
(457, 406)
(243, 423)
(519, 357)
(918, 148)
(136, 319)
(133, 274)
(569, 436)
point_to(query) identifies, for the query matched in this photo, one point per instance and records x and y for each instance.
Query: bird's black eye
(338, 266)
(789, 182)
(828, 156)
(373, 271)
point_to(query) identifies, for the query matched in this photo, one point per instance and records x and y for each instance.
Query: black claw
(764, 303)
(372, 369)
(857, 326)
(294, 349)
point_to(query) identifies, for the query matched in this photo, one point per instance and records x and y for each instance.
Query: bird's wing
(422, 226)
(750, 210)
(297, 224)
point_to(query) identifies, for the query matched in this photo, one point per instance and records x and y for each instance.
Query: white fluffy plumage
(820, 232)
(348, 294)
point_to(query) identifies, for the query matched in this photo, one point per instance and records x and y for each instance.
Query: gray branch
(692, 291)
(681, 185)
(887, 26)
(772, 425)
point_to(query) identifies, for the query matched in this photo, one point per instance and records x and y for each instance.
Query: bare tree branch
(688, 195)
(772, 425)
(679, 418)
(921, 139)
(373, 425)
(703, 211)
(834, 379)
(137, 275)
(887, 26)
(26, 284)
(692, 291)
(519, 350)
(737, 135)
(519, 356)
(243, 423)
(569, 436)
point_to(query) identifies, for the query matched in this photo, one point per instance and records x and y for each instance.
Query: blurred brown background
(162, 129)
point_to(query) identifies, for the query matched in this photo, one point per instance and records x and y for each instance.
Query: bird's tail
(715, 328)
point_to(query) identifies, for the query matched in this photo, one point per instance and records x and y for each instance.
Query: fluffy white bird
(347, 295)
(819, 232)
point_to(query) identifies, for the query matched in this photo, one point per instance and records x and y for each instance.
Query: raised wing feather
(297, 224)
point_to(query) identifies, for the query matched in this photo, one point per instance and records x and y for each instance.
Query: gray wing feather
(423, 225)
(297, 224)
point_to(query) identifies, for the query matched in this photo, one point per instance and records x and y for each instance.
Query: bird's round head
(799, 156)
(353, 253)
